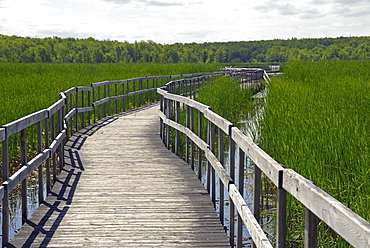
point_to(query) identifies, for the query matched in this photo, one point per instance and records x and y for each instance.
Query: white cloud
(170, 21)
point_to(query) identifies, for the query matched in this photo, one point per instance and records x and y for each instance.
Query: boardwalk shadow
(39, 230)
(45, 221)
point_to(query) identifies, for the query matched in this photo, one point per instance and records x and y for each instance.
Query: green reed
(26, 88)
(316, 121)
(227, 98)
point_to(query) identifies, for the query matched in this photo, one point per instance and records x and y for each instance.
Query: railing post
(98, 100)
(39, 150)
(61, 146)
(89, 104)
(231, 207)
(191, 142)
(76, 106)
(182, 82)
(52, 123)
(213, 174)
(310, 229)
(191, 88)
(134, 89)
(177, 133)
(187, 123)
(281, 214)
(256, 194)
(168, 128)
(200, 151)
(24, 182)
(116, 88)
(82, 105)
(109, 110)
(161, 124)
(70, 108)
(241, 190)
(141, 95)
(47, 163)
(5, 176)
(221, 186)
(68, 124)
(209, 140)
(105, 104)
(156, 86)
(152, 96)
(123, 99)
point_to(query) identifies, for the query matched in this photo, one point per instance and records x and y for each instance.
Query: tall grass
(316, 121)
(227, 98)
(26, 88)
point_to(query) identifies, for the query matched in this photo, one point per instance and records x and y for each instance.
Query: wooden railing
(318, 204)
(51, 127)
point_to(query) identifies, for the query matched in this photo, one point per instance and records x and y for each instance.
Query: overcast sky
(171, 21)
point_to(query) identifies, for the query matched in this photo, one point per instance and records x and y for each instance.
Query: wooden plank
(151, 77)
(100, 102)
(194, 104)
(118, 97)
(161, 77)
(57, 141)
(24, 122)
(85, 109)
(70, 91)
(2, 134)
(354, 229)
(175, 76)
(268, 165)
(70, 114)
(254, 229)
(62, 95)
(1, 192)
(22, 173)
(93, 85)
(136, 79)
(55, 107)
(183, 99)
(83, 88)
(161, 91)
(220, 170)
(131, 94)
(219, 121)
(113, 194)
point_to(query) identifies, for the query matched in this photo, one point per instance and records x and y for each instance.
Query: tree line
(15, 49)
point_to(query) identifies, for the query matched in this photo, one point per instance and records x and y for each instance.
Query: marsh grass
(27, 88)
(316, 121)
(227, 98)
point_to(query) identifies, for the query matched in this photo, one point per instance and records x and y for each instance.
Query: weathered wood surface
(121, 187)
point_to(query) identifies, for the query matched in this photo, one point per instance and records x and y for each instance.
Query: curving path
(122, 188)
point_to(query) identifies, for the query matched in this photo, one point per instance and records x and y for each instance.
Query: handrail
(58, 122)
(24, 122)
(318, 204)
(2, 134)
(254, 228)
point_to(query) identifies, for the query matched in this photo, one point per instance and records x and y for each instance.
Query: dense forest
(70, 50)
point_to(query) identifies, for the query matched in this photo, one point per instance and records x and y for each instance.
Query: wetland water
(15, 205)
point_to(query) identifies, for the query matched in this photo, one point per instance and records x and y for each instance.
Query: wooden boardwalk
(121, 187)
